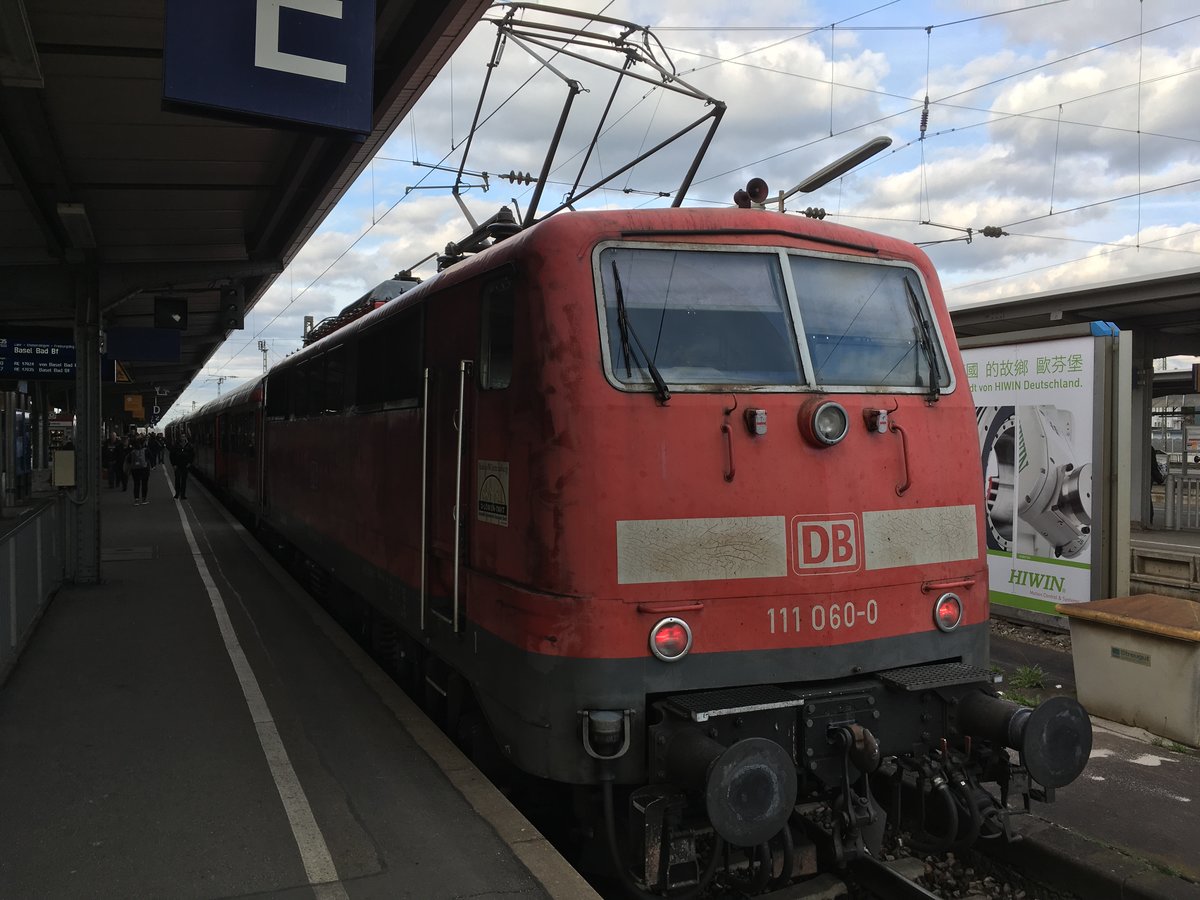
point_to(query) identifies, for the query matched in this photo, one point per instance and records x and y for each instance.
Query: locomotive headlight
(823, 423)
(948, 612)
(670, 639)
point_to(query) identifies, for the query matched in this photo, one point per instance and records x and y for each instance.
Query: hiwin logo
(1053, 583)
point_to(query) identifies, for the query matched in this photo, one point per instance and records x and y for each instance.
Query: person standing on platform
(181, 458)
(139, 468)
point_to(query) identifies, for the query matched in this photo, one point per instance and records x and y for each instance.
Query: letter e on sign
(267, 54)
(825, 545)
(310, 61)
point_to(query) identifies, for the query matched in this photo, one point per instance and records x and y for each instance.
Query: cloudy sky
(1072, 126)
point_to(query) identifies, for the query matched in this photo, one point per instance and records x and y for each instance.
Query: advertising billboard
(1041, 450)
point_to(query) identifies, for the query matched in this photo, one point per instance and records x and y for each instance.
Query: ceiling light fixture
(74, 219)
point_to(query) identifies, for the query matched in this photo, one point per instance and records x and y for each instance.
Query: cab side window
(390, 367)
(496, 336)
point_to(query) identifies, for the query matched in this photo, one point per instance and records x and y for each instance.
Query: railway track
(884, 879)
(975, 876)
(972, 874)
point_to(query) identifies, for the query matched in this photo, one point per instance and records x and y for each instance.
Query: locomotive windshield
(698, 317)
(866, 325)
(693, 318)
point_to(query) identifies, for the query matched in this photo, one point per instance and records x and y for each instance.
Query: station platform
(1127, 827)
(197, 727)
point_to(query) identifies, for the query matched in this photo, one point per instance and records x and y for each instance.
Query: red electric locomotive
(686, 503)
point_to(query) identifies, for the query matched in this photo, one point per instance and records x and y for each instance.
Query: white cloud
(997, 150)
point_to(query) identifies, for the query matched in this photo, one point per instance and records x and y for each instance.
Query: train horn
(756, 192)
(749, 787)
(757, 189)
(1054, 740)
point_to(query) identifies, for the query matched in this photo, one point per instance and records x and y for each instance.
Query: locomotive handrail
(727, 430)
(424, 488)
(902, 489)
(668, 607)
(945, 584)
(464, 367)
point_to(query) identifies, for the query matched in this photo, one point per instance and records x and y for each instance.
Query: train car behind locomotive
(686, 505)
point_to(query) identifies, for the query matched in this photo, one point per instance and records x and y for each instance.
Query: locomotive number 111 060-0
(833, 617)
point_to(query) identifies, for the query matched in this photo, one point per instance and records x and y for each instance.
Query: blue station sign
(307, 61)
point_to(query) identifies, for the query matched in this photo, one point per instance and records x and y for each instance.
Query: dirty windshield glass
(698, 317)
(867, 324)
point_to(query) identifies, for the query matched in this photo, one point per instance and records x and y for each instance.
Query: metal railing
(1183, 502)
(32, 560)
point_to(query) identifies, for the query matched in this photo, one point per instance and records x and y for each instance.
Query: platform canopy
(109, 190)
(1164, 311)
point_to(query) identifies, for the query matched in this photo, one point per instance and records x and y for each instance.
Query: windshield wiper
(925, 340)
(626, 328)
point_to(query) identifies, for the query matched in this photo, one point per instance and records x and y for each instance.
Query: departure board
(37, 354)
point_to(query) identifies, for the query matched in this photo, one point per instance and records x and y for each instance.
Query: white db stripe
(653, 551)
(920, 537)
(318, 864)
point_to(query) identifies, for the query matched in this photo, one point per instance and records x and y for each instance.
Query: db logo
(826, 545)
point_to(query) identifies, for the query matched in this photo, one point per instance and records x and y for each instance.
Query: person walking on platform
(153, 450)
(139, 468)
(108, 457)
(121, 462)
(181, 458)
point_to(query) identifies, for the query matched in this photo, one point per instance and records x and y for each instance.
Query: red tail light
(948, 612)
(670, 639)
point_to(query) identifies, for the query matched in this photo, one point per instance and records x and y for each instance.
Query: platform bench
(1137, 661)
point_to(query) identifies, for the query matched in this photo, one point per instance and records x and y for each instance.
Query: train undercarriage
(771, 783)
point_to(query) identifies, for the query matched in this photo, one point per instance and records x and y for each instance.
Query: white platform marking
(314, 852)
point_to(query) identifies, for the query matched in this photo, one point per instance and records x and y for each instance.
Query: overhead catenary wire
(737, 60)
(842, 24)
(998, 115)
(1138, 131)
(1054, 165)
(1003, 12)
(1114, 248)
(1141, 53)
(993, 117)
(295, 297)
(1140, 35)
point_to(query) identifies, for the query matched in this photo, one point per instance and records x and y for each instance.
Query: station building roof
(1164, 310)
(106, 189)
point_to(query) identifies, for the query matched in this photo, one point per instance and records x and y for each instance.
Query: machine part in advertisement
(1035, 406)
